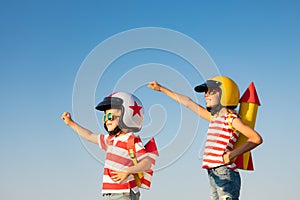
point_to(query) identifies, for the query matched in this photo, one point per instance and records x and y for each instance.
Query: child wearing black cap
(222, 97)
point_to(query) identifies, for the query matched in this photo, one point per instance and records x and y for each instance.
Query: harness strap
(229, 117)
(131, 151)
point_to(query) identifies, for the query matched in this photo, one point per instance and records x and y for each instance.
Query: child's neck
(222, 111)
(122, 132)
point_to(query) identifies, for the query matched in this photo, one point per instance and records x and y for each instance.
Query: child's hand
(227, 158)
(154, 86)
(67, 118)
(119, 176)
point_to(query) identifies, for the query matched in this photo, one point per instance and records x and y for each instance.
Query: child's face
(212, 97)
(112, 118)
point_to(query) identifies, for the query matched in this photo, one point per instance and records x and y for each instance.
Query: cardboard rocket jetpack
(249, 103)
(143, 180)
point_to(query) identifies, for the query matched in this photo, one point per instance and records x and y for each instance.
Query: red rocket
(249, 103)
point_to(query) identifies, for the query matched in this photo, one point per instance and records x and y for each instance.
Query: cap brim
(209, 84)
(109, 102)
(201, 88)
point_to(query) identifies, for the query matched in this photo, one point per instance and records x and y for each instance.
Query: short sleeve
(140, 149)
(102, 141)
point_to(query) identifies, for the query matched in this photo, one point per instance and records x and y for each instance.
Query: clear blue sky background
(44, 43)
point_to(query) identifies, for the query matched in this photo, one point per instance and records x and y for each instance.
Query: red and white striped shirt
(220, 139)
(117, 158)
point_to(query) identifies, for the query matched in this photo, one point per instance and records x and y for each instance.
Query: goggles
(109, 116)
(211, 91)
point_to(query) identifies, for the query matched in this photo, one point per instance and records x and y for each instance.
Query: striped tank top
(220, 139)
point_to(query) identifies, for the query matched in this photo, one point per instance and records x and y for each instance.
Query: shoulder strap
(131, 148)
(131, 152)
(229, 117)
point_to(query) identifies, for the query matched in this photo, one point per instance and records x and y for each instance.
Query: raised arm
(182, 99)
(81, 131)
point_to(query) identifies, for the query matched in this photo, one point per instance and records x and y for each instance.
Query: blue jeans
(225, 184)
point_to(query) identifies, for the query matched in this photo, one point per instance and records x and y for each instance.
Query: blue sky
(45, 44)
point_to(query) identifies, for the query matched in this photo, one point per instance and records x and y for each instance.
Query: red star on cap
(136, 109)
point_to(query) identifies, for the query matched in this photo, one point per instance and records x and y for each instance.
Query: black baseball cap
(208, 84)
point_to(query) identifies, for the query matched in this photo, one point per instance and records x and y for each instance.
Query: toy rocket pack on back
(249, 103)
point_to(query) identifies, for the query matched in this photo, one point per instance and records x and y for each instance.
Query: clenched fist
(66, 116)
(154, 86)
